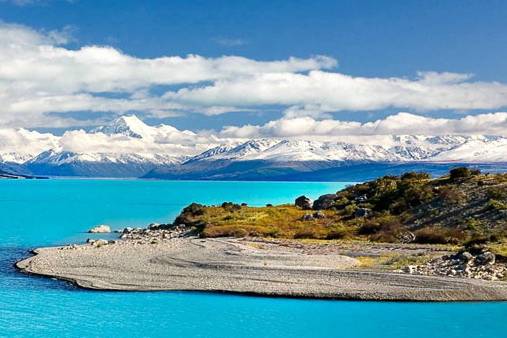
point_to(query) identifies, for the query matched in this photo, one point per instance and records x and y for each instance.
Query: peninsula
(404, 238)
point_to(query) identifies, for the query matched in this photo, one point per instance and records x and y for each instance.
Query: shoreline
(241, 266)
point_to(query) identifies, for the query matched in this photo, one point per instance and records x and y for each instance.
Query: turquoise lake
(37, 213)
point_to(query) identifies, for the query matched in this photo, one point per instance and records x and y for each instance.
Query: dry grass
(392, 261)
(284, 221)
(499, 248)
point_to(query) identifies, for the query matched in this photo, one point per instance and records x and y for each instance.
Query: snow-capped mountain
(388, 149)
(361, 158)
(130, 126)
(127, 147)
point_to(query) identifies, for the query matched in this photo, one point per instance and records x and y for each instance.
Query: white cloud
(398, 124)
(19, 145)
(321, 91)
(39, 74)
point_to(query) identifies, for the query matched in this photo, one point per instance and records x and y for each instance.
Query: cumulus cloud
(398, 124)
(17, 145)
(321, 91)
(40, 74)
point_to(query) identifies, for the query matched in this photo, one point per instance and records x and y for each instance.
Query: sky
(242, 67)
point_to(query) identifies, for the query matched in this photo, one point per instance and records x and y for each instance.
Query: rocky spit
(157, 258)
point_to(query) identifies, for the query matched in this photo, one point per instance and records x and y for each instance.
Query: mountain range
(128, 147)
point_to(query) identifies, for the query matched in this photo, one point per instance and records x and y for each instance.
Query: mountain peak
(128, 125)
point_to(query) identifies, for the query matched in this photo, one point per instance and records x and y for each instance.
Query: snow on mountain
(130, 126)
(402, 148)
(20, 145)
(126, 147)
(57, 158)
(480, 149)
(129, 147)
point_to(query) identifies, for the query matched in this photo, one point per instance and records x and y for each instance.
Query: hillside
(460, 207)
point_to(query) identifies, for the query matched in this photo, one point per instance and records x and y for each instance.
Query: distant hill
(306, 171)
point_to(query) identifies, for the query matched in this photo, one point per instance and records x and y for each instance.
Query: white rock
(100, 229)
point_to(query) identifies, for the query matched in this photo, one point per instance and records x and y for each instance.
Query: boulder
(304, 203)
(362, 212)
(97, 242)
(487, 258)
(154, 226)
(325, 202)
(406, 237)
(100, 229)
(466, 256)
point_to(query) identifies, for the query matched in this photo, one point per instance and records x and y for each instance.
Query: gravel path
(231, 265)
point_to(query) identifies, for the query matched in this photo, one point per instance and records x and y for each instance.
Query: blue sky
(371, 39)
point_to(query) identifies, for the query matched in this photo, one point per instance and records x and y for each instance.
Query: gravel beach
(246, 267)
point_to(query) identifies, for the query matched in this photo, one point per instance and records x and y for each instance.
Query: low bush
(462, 172)
(497, 205)
(438, 235)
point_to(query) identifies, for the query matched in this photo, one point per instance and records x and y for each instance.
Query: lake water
(51, 212)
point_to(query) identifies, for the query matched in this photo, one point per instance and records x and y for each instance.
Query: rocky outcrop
(304, 202)
(100, 229)
(478, 263)
(314, 216)
(154, 234)
(325, 202)
(189, 216)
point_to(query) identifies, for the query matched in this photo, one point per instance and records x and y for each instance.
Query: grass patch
(392, 261)
(284, 221)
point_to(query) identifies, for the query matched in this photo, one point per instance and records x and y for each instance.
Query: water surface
(51, 212)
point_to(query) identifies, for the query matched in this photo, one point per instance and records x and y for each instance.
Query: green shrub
(438, 235)
(462, 172)
(415, 176)
(497, 193)
(369, 228)
(231, 207)
(497, 205)
(350, 209)
(452, 196)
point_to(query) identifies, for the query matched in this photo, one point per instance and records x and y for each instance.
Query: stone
(407, 237)
(154, 226)
(362, 212)
(308, 217)
(304, 203)
(411, 269)
(362, 198)
(319, 214)
(466, 256)
(325, 202)
(97, 242)
(100, 229)
(487, 258)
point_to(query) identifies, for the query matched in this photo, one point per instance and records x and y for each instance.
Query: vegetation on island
(465, 206)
